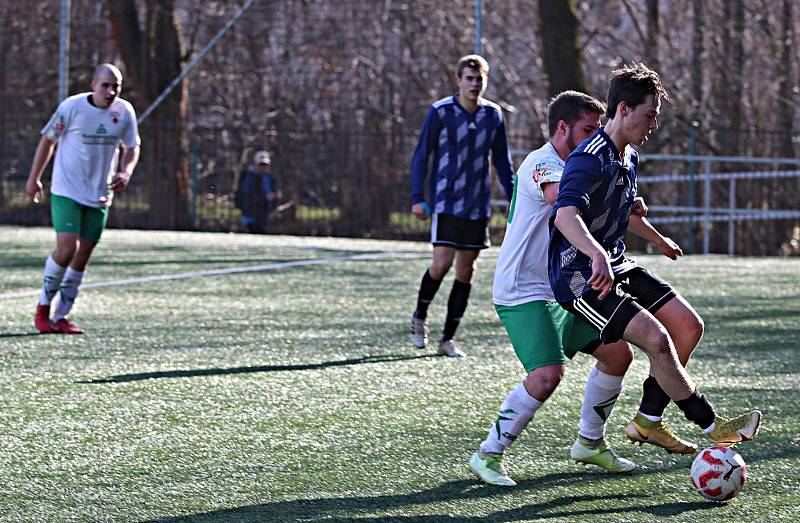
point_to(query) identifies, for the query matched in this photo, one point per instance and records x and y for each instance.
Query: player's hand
(670, 249)
(119, 181)
(602, 276)
(639, 208)
(34, 190)
(421, 210)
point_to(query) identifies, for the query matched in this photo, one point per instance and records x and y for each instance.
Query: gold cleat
(641, 430)
(729, 432)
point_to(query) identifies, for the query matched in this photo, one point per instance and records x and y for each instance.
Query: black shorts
(462, 234)
(633, 291)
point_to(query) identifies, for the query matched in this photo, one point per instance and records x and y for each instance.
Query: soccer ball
(718, 473)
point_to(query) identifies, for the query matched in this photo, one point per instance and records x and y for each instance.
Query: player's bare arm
(550, 192)
(641, 227)
(639, 208)
(44, 151)
(129, 160)
(569, 222)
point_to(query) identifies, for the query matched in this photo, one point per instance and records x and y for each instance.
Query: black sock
(654, 399)
(697, 408)
(456, 305)
(427, 290)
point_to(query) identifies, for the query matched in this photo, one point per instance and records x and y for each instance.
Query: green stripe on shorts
(543, 333)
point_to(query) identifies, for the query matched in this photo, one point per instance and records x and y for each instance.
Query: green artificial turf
(291, 392)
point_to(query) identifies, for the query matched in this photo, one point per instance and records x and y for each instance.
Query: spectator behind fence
(257, 194)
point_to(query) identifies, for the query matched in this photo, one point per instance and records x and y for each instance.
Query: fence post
(193, 178)
(692, 152)
(707, 207)
(731, 217)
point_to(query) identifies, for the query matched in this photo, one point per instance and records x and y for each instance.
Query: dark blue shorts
(634, 290)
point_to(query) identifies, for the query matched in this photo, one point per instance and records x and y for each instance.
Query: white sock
(67, 293)
(650, 416)
(515, 413)
(599, 398)
(53, 273)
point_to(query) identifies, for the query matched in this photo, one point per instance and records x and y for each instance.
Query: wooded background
(337, 90)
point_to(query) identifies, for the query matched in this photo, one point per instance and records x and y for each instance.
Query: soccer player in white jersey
(461, 132)
(89, 128)
(542, 333)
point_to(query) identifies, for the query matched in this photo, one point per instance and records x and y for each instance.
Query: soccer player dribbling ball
(593, 278)
(88, 129)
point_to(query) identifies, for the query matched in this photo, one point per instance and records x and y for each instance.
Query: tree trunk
(153, 57)
(560, 51)
(653, 31)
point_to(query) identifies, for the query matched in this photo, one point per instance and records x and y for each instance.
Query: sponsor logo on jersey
(101, 129)
(539, 171)
(59, 126)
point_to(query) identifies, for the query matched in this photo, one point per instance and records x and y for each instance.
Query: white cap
(262, 157)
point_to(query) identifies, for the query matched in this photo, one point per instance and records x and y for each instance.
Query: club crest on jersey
(115, 117)
(59, 126)
(539, 171)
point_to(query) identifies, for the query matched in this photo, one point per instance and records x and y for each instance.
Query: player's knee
(544, 380)
(614, 359)
(623, 359)
(659, 343)
(695, 328)
(465, 274)
(64, 253)
(439, 269)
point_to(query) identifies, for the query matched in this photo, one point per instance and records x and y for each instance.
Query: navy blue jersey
(459, 181)
(603, 188)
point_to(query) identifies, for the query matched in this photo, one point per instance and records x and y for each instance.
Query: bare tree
(154, 56)
(560, 52)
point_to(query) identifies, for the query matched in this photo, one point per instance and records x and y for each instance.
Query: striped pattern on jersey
(602, 187)
(461, 143)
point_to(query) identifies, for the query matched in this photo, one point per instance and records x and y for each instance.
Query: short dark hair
(473, 61)
(570, 106)
(631, 85)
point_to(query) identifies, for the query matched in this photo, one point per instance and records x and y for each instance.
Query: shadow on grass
(19, 334)
(355, 508)
(124, 378)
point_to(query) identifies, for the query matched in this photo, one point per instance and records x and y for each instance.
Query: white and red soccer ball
(718, 473)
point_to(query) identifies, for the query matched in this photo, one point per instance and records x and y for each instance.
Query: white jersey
(88, 146)
(521, 273)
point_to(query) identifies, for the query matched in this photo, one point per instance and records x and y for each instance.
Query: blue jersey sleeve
(582, 173)
(419, 164)
(501, 158)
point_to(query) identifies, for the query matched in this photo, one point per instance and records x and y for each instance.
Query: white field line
(230, 270)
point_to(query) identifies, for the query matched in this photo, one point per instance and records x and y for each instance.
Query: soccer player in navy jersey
(461, 132)
(592, 278)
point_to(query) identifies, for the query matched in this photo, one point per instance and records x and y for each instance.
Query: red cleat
(42, 319)
(63, 326)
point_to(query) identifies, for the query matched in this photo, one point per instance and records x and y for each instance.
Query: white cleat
(419, 333)
(489, 468)
(602, 456)
(451, 349)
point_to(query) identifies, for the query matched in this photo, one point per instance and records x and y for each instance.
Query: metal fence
(719, 179)
(356, 184)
